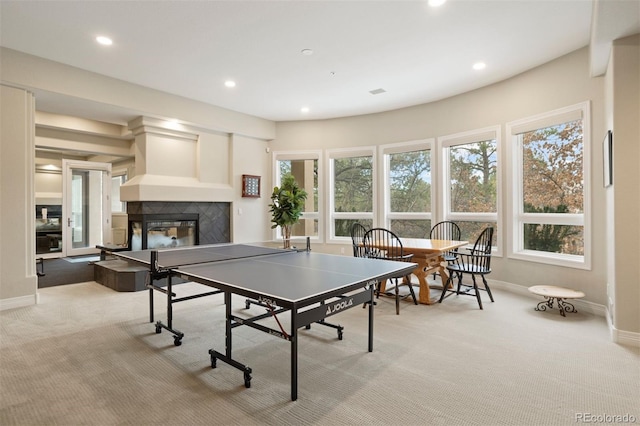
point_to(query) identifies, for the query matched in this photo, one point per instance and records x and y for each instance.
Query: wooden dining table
(428, 254)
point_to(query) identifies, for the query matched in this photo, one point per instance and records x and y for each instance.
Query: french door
(86, 209)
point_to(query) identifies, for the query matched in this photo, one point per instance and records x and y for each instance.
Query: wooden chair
(357, 234)
(477, 262)
(380, 243)
(446, 230)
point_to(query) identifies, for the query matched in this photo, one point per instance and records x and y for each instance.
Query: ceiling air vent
(377, 91)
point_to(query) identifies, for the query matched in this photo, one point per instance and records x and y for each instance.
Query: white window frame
(444, 143)
(332, 215)
(517, 217)
(114, 174)
(385, 214)
(293, 156)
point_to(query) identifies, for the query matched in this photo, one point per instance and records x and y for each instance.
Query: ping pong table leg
(371, 292)
(150, 304)
(228, 356)
(294, 353)
(227, 334)
(169, 304)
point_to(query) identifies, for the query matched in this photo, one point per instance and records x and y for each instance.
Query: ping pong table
(310, 286)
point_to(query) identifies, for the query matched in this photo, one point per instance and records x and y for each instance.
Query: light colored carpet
(88, 355)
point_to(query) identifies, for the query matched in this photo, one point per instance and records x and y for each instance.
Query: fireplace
(161, 224)
(155, 231)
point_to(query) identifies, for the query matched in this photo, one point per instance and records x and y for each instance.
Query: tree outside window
(409, 183)
(553, 184)
(473, 187)
(352, 193)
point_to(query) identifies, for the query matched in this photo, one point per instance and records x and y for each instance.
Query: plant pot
(286, 236)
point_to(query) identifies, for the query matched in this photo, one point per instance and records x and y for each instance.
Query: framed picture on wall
(607, 158)
(251, 186)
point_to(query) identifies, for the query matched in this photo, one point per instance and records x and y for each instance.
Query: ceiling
(410, 51)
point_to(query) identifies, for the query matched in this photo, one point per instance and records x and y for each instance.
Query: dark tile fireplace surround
(213, 218)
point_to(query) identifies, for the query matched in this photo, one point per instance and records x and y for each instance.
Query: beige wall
(560, 83)
(625, 192)
(250, 216)
(18, 282)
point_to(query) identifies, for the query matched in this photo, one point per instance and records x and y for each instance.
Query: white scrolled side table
(560, 294)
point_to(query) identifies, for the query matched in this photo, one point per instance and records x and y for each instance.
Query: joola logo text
(339, 306)
(267, 301)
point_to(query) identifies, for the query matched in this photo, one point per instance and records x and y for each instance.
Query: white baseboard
(19, 302)
(627, 338)
(622, 337)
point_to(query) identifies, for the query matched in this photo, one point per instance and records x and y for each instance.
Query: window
(407, 188)
(471, 195)
(304, 167)
(550, 187)
(117, 206)
(352, 190)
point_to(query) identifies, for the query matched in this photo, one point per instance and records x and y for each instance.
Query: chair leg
(413, 293)
(475, 287)
(397, 298)
(459, 283)
(445, 287)
(486, 285)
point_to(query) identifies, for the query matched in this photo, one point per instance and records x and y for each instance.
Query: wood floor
(60, 272)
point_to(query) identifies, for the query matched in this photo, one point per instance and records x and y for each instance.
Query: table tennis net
(214, 253)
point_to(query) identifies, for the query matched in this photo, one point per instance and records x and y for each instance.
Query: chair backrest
(357, 234)
(445, 230)
(381, 243)
(481, 254)
(484, 241)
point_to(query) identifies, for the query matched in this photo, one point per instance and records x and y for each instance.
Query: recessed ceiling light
(106, 41)
(307, 52)
(479, 66)
(230, 83)
(436, 3)
(304, 110)
(377, 91)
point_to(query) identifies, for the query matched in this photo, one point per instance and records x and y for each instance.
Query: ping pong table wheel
(158, 328)
(340, 334)
(213, 361)
(247, 379)
(177, 340)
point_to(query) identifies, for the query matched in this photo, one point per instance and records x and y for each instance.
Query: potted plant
(287, 204)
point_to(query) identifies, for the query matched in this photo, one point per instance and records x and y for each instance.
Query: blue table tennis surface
(282, 274)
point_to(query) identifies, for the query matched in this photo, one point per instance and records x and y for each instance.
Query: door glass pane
(86, 208)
